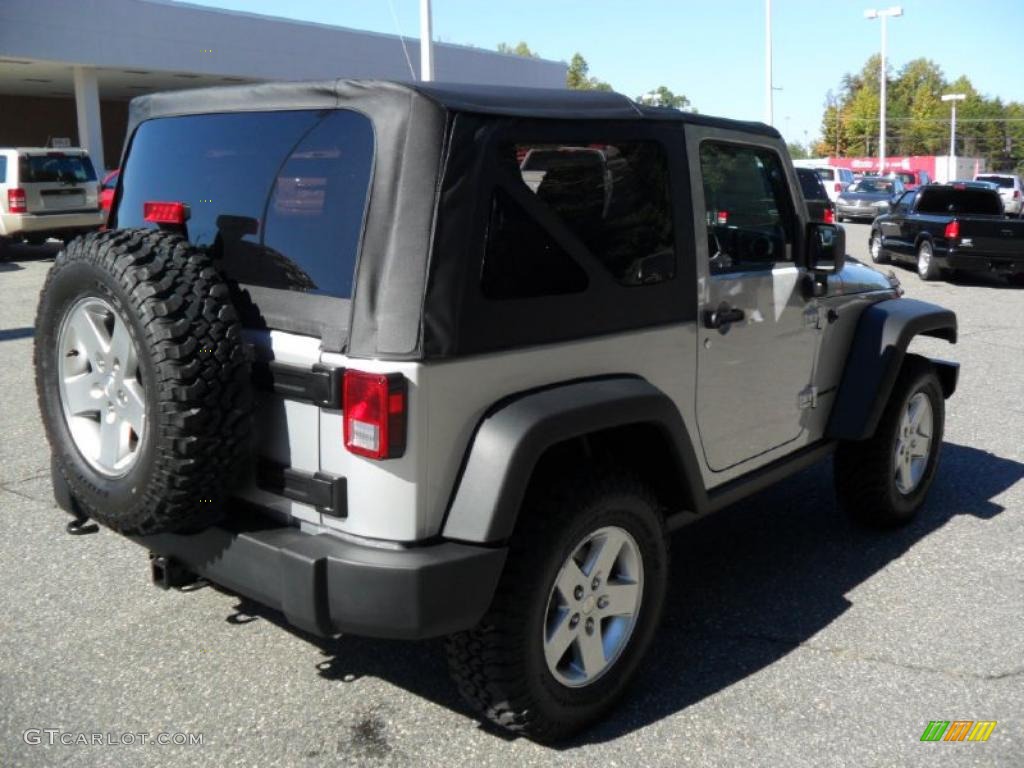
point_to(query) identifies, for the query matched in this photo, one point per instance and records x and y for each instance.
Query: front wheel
(577, 606)
(927, 269)
(883, 481)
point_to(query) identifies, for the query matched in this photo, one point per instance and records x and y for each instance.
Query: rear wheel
(927, 269)
(883, 481)
(878, 256)
(577, 606)
(1017, 279)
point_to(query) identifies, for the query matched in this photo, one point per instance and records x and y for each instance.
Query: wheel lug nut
(602, 602)
(589, 626)
(574, 621)
(595, 583)
(578, 593)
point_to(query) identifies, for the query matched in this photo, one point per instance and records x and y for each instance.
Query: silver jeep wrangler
(413, 361)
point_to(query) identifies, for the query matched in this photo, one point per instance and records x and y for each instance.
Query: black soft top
(370, 95)
(394, 312)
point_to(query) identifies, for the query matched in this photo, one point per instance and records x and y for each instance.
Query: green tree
(578, 76)
(520, 49)
(797, 151)
(662, 96)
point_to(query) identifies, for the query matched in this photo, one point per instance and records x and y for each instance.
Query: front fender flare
(884, 331)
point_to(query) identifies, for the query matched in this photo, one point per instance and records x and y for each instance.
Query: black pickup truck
(945, 228)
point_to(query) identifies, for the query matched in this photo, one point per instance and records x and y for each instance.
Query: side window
(522, 260)
(903, 204)
(3, 169)
(748, 210)
(612, 197)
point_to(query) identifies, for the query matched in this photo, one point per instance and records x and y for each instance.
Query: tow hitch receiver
(168, 572)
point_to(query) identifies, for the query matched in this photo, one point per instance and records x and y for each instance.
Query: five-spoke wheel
(100, 389)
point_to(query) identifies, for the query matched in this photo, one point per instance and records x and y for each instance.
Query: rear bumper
(980, 262)
(327, 585)
(30, 223)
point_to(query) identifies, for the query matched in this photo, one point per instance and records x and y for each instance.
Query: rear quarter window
(279, 197)
(811, 186)
(3, 169)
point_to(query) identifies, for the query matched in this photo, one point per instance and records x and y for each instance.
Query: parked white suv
(1010, 190)
(836, 180)
(47, 193)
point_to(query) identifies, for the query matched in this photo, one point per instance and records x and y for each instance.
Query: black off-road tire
(192, 366)
(864, 470)
(499, 666)
(1017, 279)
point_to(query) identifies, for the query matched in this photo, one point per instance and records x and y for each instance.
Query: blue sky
(713, 51)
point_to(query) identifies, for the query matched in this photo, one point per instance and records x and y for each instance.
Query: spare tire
(143, 380)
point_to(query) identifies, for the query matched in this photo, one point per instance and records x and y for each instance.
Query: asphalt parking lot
(791, 639)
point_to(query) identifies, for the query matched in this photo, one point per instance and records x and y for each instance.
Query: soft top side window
(612, 198)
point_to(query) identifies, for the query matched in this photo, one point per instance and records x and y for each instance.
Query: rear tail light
(722, 218)
(1016, 194)
(838, 187)
(374, 407)
(953, 230)
(830, 217)
(165, 213)
(16, 202)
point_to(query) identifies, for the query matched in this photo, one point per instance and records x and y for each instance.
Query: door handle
(724, 315)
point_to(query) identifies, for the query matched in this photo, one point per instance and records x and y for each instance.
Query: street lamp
(953, 98)
(768, 95)
(426, 43)
(883, 14)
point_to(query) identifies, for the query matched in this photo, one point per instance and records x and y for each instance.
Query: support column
(87, 105)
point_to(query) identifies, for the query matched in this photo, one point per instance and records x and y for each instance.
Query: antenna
(405, 50)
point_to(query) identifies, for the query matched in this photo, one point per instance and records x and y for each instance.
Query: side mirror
(826, 248)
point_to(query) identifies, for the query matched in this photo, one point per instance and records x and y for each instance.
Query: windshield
(983, 202)
(56, 167)
(1006, 182)
(876, 186)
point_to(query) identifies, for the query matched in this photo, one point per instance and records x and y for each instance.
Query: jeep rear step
(328, 585)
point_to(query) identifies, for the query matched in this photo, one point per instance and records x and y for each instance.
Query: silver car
(868, 198)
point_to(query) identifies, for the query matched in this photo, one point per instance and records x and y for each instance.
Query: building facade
(68, 68)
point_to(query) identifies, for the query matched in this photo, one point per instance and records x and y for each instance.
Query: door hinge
(808, 398)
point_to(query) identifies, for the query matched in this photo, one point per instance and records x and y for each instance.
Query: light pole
(883, 14)
(768, 110)
(426, 43)
(952, 98)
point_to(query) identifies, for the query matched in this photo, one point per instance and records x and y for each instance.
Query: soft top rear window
(278, 197)
(56, 167)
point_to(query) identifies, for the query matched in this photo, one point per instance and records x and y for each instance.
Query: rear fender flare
(513, 436)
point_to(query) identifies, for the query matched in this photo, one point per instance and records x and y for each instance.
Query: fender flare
(884, 331)
(512, 437)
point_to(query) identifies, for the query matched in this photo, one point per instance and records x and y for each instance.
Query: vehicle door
(58, 182)
(758, 336)
(892, 227)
